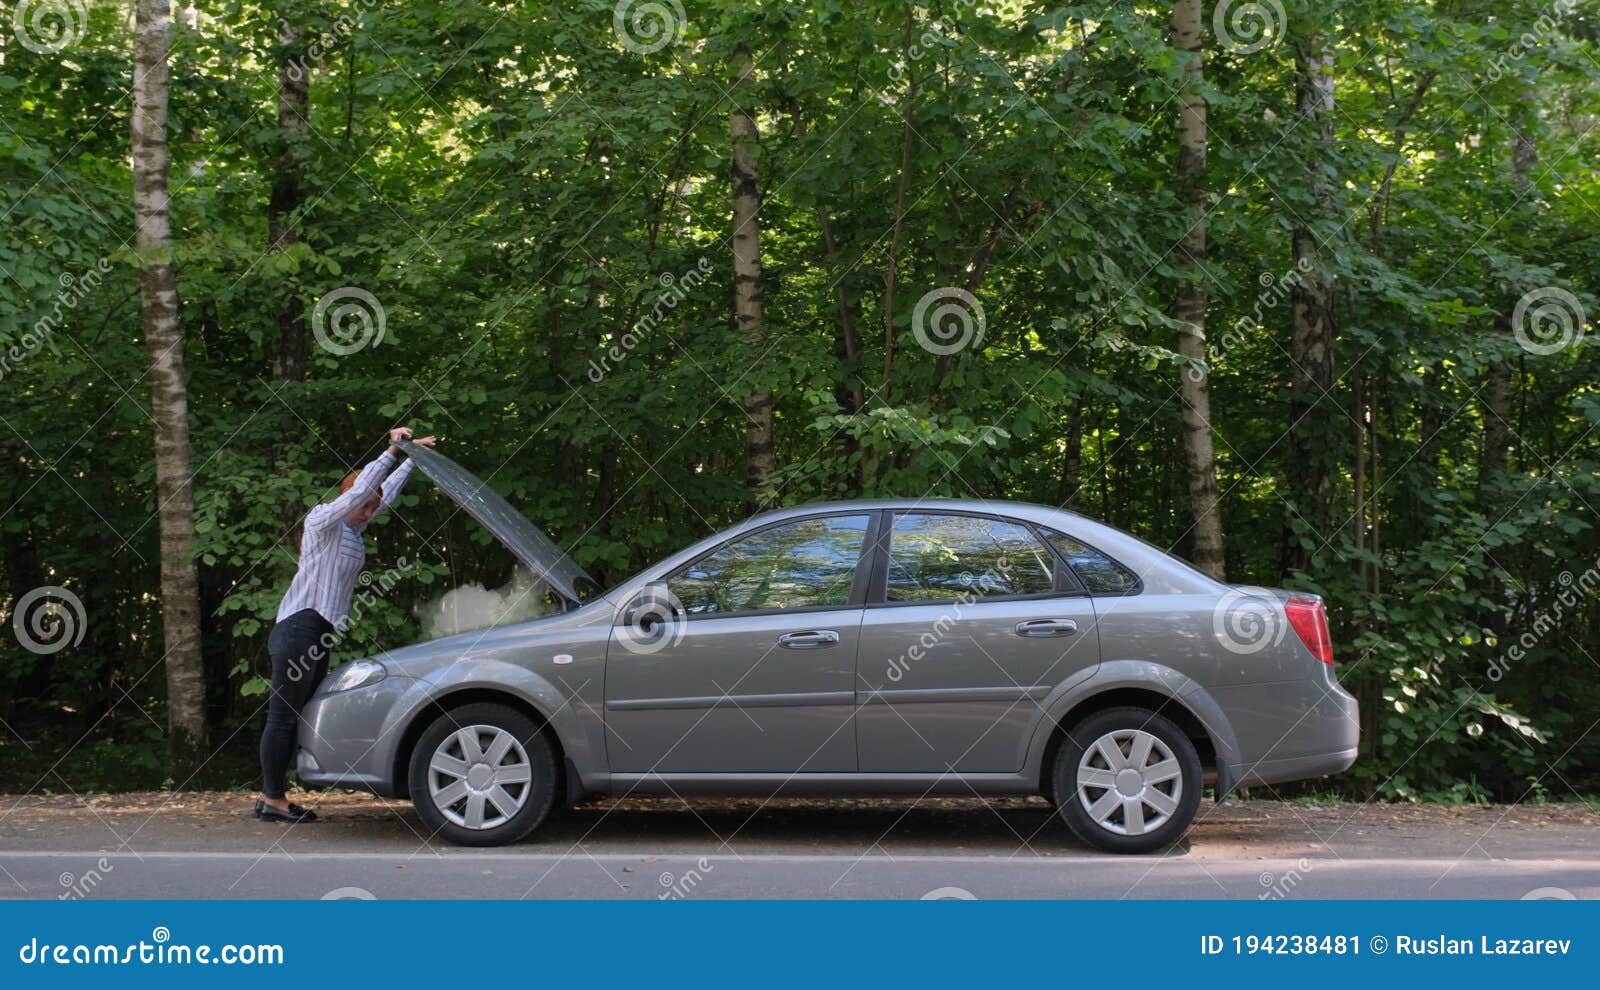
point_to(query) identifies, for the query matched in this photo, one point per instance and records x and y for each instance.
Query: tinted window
(1099, 573)
(936, 557)
(808, 562)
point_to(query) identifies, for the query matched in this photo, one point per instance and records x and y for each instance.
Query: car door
(971, 622)
(754, 672)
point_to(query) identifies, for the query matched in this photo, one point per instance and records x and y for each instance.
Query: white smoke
(472, 606)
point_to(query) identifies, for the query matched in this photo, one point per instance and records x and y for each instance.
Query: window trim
(858, 582)
(1138, 588)
(1067, 583)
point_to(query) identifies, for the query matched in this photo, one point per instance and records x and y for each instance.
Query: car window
(935, 557)
(1099, 573)
(808, 562)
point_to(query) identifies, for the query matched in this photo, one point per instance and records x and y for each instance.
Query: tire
(460, 795)
(1104, 811)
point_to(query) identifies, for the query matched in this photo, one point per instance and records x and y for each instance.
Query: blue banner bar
(804, 943)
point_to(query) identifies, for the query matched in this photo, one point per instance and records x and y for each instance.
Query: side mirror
(652, 606)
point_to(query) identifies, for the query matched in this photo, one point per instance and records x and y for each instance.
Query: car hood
(510, 527)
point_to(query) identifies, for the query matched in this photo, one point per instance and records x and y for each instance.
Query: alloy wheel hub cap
(1129, 782)
(479, 777)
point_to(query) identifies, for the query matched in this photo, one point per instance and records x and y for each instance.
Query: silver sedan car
(887, 647)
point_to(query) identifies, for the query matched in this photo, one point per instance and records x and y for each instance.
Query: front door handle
(811, 639)
(1047, 627)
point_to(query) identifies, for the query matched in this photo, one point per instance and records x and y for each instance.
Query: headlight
(357, 674)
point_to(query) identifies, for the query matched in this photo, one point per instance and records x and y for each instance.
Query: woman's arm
(397, 480)
(367, 484)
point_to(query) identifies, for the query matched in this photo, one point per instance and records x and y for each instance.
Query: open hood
(510, 527)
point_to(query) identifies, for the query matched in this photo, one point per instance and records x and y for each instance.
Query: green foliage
(517, 188)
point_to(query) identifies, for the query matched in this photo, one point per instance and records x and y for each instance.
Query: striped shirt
(332, 552)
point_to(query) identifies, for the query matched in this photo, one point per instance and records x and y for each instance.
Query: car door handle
(812, 639)
(1047, 627)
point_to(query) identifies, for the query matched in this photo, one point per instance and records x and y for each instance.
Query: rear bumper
(1296, 768)
(1293, 730)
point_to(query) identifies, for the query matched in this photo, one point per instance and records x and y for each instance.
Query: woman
(316, 609)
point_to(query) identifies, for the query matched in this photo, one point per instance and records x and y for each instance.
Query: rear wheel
(483, 775)
(1127, 780)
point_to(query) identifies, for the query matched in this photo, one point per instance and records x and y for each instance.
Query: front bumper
(349, 740)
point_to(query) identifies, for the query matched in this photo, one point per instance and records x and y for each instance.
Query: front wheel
(1127, 780)
(483, 775)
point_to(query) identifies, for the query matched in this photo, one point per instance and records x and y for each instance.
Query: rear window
(1100, 574)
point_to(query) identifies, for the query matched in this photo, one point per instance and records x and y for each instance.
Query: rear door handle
(1047, 627)
(812, 639)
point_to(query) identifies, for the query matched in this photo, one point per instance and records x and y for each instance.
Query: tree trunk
(1497, 384)
(1312, 415)
(158, 294)
(747, 296)
(288, 196)
(1190, 305)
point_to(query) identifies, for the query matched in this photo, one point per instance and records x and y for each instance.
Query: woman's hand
(400, 433)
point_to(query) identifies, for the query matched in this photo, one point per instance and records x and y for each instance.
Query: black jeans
(299, 646)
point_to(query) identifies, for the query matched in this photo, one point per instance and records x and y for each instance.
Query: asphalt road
(205, 846)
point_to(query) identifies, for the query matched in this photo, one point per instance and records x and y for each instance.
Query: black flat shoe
(296, 815)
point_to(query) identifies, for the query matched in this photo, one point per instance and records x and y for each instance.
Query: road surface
(206, 846)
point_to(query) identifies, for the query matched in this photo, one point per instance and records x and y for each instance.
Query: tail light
(1310, 621)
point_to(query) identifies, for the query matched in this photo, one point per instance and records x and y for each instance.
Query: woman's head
(364, 514)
